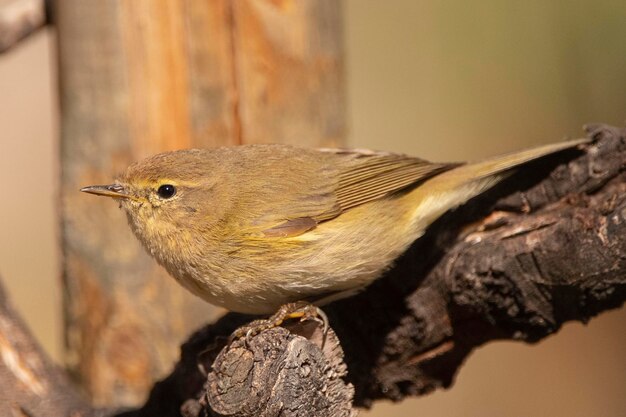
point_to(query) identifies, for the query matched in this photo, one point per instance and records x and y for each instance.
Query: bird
(252, 228)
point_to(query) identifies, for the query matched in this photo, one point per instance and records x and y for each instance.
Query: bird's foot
(298, 310)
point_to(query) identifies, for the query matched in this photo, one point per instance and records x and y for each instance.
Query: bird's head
(168, 194)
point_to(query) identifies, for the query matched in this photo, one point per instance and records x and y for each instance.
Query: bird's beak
(112, 190)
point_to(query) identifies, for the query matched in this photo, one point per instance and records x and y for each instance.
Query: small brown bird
(251, 228)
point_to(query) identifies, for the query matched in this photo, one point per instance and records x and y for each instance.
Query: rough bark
(545, 247)
(144, 76)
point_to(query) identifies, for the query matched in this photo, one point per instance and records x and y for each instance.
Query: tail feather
(502, 163)
(453, 188)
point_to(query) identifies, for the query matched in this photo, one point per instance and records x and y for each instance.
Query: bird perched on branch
(254, 227)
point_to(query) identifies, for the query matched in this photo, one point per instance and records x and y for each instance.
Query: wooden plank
(145, 76)
(288, 56)
(123, 96)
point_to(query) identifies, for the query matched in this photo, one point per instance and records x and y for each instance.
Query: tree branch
(30, 386)
(20, 19)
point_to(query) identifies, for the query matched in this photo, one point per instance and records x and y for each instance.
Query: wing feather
(325, 183)
(365, 176)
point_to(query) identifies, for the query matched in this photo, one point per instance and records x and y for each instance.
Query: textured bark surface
(144, 76)
(301, 378)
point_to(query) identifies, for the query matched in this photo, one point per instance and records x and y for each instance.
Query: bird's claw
(298, 310)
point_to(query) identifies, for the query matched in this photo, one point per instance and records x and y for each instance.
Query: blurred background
(453, 81)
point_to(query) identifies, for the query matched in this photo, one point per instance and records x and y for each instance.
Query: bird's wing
(354, 177)
(365, 175)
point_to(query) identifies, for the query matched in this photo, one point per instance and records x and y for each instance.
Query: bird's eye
(166, 191)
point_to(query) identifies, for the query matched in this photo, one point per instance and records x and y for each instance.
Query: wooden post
(139, 77)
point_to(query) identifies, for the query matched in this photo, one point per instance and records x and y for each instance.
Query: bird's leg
(298, 310)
